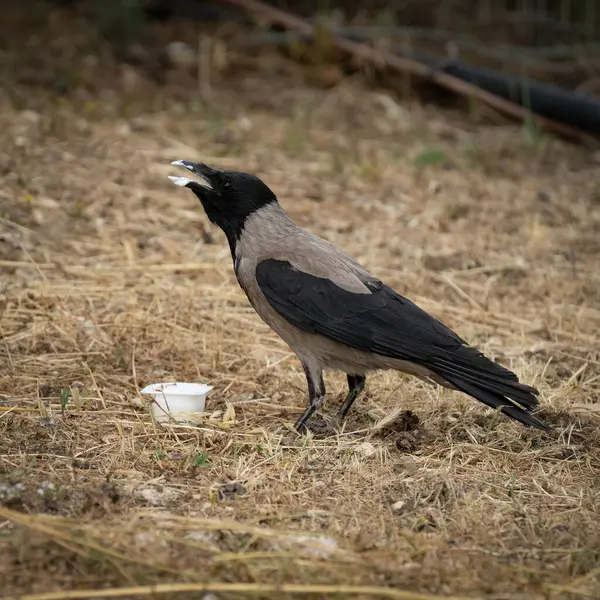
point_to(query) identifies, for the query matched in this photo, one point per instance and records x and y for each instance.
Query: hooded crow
(332, 312)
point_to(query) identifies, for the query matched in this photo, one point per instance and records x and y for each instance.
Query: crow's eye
(226, 186)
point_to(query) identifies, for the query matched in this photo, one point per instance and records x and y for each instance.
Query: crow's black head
(228, 197)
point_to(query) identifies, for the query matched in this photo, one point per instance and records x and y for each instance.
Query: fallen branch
(408, 65)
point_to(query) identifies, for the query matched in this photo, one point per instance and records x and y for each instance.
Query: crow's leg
(356, 384)
(316, 393)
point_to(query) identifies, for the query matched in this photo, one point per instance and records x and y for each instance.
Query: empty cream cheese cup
(177, 400)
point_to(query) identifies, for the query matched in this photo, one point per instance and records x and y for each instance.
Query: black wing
(388, 324)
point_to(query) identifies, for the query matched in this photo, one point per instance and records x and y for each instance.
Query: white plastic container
(179, 401)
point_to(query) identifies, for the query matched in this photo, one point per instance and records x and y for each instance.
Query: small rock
(319, 546)
(205, 537)
(30, 117)
(392, 108)
(131, 80)
(244, 123)
(123, 128)
(26, 125)
(397, 506)
(366, 449)
(158, 497)
(181, 55)
(433, 187)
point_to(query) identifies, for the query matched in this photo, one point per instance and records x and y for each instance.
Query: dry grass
(112, 279)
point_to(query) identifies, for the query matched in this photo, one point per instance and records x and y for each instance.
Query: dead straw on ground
(112, 279)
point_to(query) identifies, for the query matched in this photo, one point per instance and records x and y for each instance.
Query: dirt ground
(111, 279)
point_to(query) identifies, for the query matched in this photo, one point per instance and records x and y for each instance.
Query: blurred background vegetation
(556, 41)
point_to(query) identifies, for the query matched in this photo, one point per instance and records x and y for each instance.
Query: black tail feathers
(494, 385)
(508, 402)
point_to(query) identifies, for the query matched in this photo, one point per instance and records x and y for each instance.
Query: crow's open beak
(203, 172)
